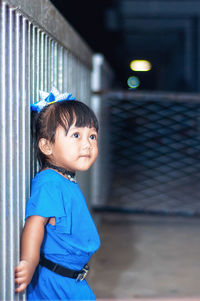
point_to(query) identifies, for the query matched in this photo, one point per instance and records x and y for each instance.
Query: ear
(45, 146)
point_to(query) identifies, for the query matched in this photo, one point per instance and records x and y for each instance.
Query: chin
(84, 168)
(85, 165)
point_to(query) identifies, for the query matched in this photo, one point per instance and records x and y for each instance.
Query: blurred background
(166, 33)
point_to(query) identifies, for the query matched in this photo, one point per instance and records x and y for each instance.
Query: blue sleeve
(47, 201)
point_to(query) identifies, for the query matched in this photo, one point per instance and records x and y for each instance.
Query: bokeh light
(133, 82)
(140, 65)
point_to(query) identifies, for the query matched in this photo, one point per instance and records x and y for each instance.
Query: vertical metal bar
(65, 69)
(45, 86)
(70, 80)
(32, 87)
(48, 78)
(48, 64)
(78, 78)
(26, 99)
(33, 63)
(27, 110)
(51, 63)
(21, 85)
(34, 94)
(3, 153)
(38, 32)
(42, 62)
(22, 118)
(75, 72)
(88, 85)
(15, 178)
(74, 87)
(9, 158)
(82, 82)
(37, 73)
(55, 65)
(18, 92)
(60, 68)
(16, 95)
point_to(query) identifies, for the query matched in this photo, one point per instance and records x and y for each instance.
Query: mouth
(85, 156)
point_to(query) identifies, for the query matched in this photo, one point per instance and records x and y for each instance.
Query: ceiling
(165, 32)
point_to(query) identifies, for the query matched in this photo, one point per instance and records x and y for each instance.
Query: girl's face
(77, 150)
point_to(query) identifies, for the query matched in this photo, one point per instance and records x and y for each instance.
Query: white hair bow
(46, 99)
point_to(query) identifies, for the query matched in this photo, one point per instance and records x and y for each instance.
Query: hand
(31, 240)
(23, 275)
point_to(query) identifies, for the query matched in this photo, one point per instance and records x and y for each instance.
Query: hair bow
(46, 99)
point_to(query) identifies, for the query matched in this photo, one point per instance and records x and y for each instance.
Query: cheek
(96, 152)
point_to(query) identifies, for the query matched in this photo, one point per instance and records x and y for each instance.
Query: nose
(86, 144)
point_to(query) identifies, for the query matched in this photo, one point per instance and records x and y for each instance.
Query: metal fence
(102, 79)
(31, 59)
(155, 153)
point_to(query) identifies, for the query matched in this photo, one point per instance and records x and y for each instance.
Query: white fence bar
(31, 59)
(102, 78)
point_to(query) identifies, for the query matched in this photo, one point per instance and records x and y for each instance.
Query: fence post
(102, 78)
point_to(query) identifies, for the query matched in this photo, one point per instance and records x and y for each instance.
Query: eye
(93, 137)
(76, 135)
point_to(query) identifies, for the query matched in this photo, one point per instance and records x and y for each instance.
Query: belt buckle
(82, 275)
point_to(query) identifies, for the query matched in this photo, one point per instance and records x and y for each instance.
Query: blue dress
(70, 242)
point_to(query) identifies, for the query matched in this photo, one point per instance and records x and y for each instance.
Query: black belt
(59, 269)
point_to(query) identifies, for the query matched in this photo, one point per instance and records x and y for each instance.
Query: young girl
(59, 235)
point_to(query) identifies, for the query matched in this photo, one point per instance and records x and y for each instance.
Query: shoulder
(50, 181)
(48, 176)
(46, 194)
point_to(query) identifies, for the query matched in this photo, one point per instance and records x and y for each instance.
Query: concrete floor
(146, 257)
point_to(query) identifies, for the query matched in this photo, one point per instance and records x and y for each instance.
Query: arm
(31, 240)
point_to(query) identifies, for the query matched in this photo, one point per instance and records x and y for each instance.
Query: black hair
(62, 113)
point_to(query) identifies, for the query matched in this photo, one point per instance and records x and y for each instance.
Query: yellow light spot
(140, 65)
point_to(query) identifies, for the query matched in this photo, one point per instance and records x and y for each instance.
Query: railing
(31, 59)
(102, 79)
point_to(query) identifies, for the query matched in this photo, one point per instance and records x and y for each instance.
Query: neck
(69, 174)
